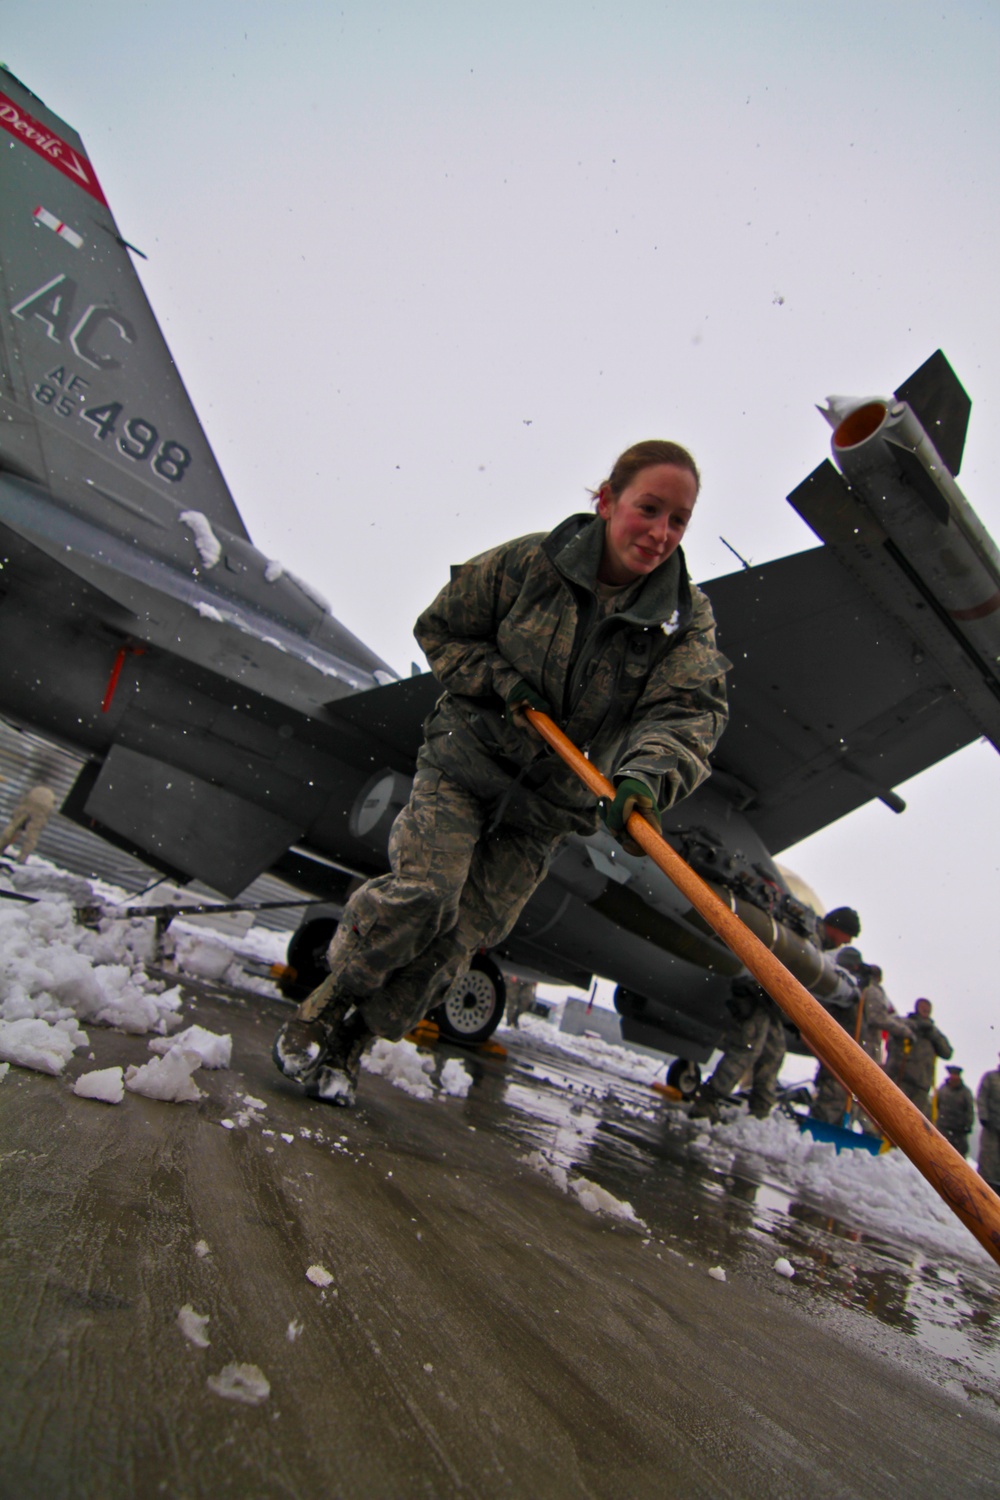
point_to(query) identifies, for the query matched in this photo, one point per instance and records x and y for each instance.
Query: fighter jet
(232, 726)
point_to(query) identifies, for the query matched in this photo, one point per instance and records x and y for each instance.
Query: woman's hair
(643, 456)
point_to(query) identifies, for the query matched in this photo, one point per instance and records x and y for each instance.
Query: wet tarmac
(481, 1333)
(611, 1131)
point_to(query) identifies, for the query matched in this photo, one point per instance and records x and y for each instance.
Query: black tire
(307, 956)
(684, 1076)
(474, 1009)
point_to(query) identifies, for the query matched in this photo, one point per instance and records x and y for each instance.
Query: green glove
(631, 795)
(521, 696)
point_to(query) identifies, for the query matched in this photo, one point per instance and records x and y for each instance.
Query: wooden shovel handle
(964, 1191)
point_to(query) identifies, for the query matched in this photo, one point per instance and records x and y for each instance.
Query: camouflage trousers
(831, 1100)
(457, 884)
(758, 1044)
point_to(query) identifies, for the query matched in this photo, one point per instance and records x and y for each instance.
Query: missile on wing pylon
(902, 524)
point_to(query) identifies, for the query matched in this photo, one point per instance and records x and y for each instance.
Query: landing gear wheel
(473, 1007)
(684, 1076)
(307, 956)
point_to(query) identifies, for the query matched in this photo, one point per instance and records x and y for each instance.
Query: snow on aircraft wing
(87, 384)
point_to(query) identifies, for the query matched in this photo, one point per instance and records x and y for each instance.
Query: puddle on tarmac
(614, 1130)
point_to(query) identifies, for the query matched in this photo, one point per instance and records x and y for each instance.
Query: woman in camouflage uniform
(596, 623)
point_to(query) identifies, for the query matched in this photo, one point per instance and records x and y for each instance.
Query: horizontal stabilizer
(939, 399)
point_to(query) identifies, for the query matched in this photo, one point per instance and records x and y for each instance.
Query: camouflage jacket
(642, 689)
(956, 1113)
(879, 1016)
(913, 1062)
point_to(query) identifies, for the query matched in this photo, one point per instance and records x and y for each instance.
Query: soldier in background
(956, 1113)
(754, 1042)
(988, 1105)
(831, 1100)
(911, 1063)
(880, 1017)
(26, 822)
(838, 927)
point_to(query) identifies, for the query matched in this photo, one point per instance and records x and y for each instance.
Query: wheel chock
(492, 1048)
(424, 1034)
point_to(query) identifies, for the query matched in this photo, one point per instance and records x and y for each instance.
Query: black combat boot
(321, 1046)
(706, 1104)
(334, 1079)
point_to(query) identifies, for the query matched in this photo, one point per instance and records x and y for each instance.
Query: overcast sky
(426, 268)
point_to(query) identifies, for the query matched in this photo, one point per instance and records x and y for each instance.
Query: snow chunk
(205, 539)
(202, 1249)
(405, 1067)
(4, 1070)
(717, 1273)
(244, 1383)
(319, 1276)
(596, 1200)
(104, 1084)
(193, 1325)
(209, 612)
(168, 1078)
(591, 1196)
(784, 1267)
(204, 957)
(273, 572)
(293, 1331)
(35, 1044)
(214, 1050)
(455, 1080)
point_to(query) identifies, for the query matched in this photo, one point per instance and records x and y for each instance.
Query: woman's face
(646, 522)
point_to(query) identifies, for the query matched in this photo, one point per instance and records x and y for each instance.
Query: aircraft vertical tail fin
(89, 394)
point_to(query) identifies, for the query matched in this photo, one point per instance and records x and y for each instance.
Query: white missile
(891, 464)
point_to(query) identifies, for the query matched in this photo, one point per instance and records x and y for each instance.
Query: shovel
(964, 1191)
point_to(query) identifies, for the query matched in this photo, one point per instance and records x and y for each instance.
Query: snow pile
(215, 1051)
(205, 539)
(608, 1056)
(198, 954)
(105, 1084)
(454, 1079)
(53, 970)
(37, 1044)
(885, 1193)
(403, 1065)
(411, 1070)
(167, 1078)
(590, 1195)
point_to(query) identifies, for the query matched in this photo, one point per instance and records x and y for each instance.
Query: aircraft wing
(834, 700)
